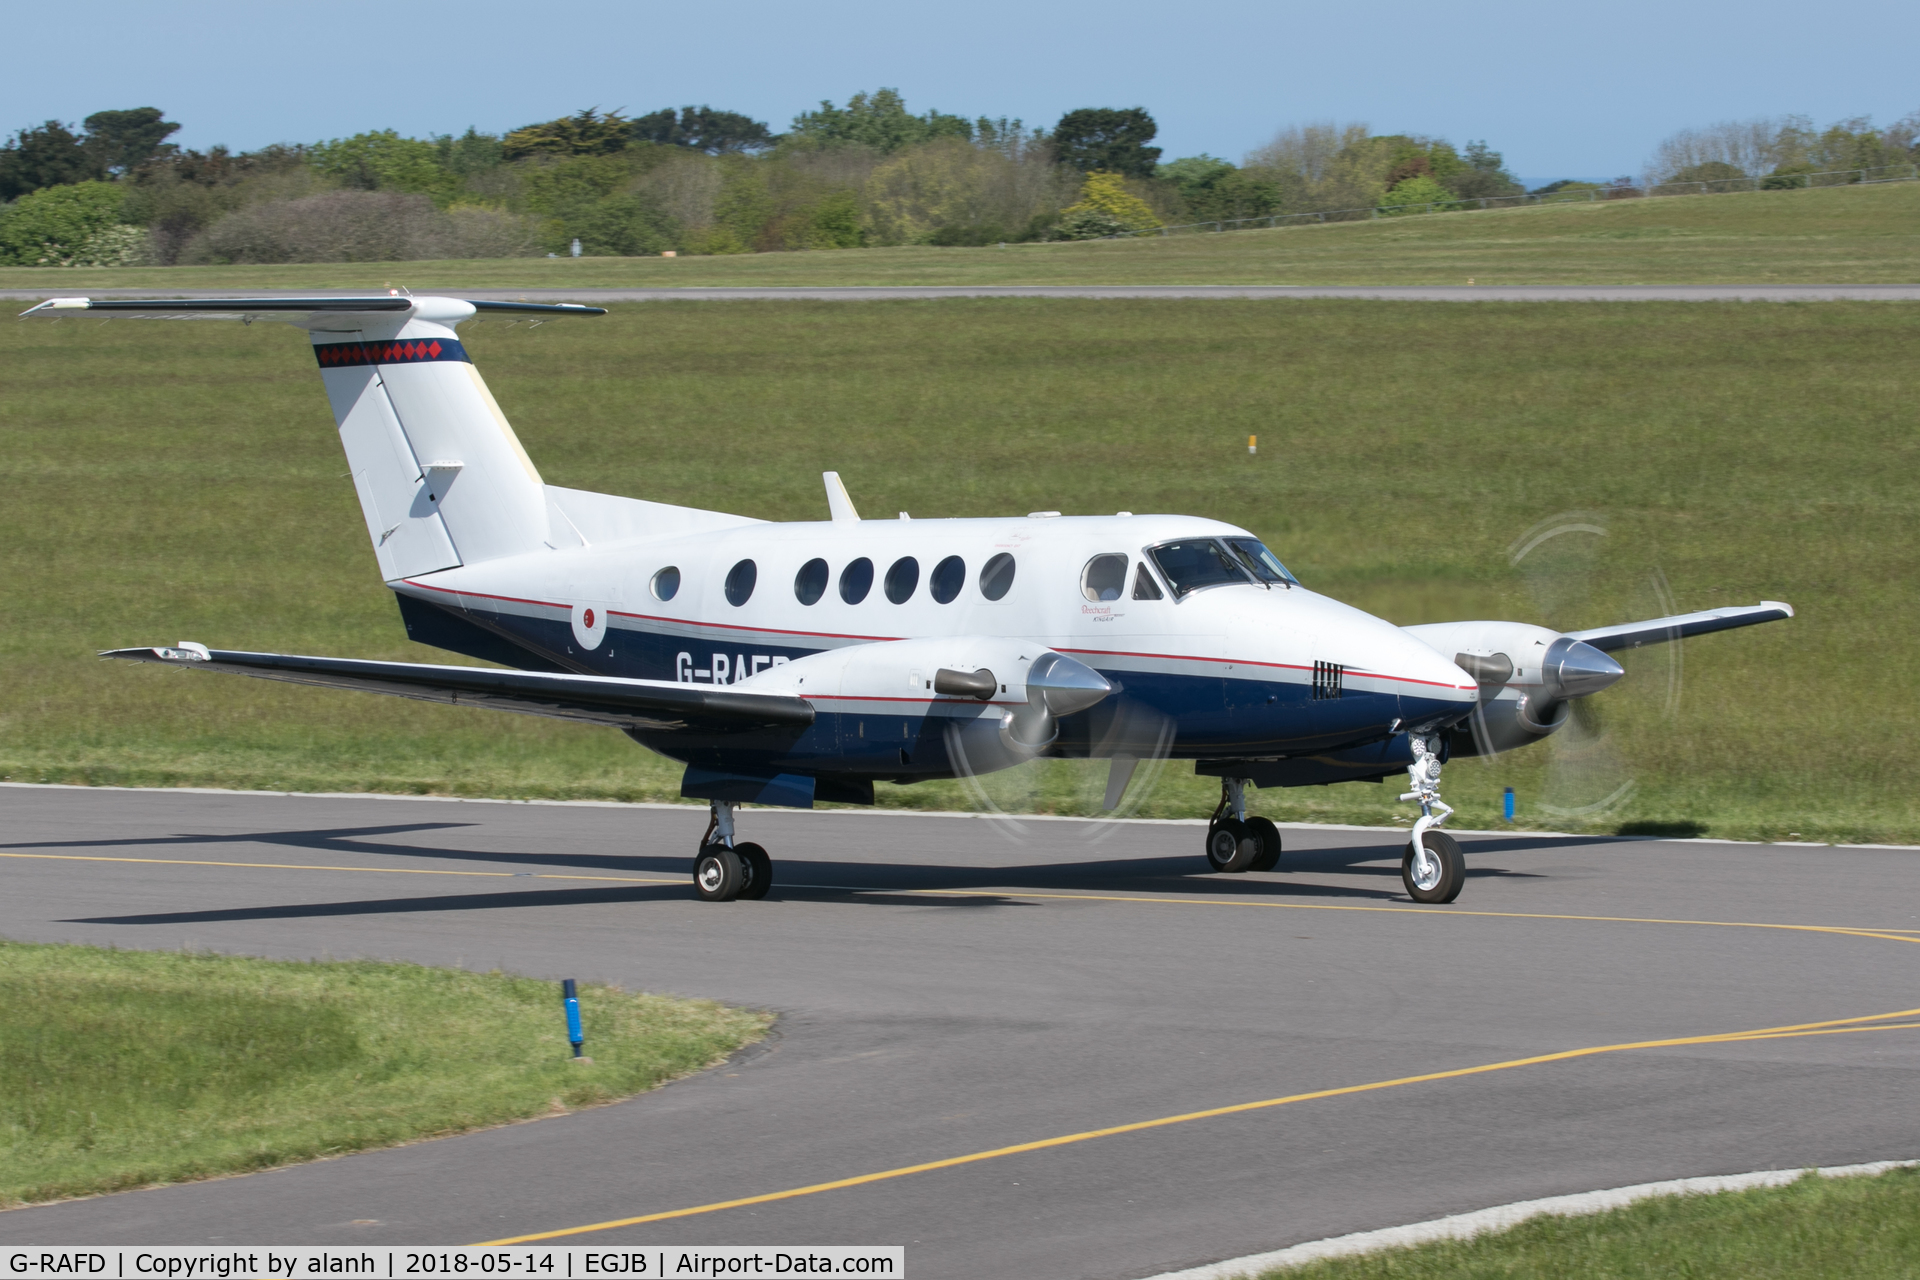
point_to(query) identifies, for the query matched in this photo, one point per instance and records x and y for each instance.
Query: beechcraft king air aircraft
(789, 663)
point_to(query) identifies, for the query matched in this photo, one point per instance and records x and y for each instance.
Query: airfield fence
(1584, 195)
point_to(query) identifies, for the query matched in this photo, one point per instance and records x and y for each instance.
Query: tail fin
(442, 479)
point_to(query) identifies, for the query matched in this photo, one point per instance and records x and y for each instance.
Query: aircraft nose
(1433, 676)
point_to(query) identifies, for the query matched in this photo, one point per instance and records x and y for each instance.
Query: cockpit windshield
(1260, 562)
(1196, 563)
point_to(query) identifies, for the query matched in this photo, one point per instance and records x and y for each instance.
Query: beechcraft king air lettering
(789, 663)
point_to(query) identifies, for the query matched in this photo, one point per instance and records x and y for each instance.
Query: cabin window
(1195, 564)
(666, 583)
(947, 578)
(996, 577)
(1144, 587)
(740, 580)
(811, 582)
(856, 580)
(902, 577)
(1104, 578)
(1259, 561)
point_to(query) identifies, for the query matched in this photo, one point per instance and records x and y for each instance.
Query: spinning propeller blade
(1580, 576)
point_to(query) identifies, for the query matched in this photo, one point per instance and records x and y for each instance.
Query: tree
(584, 133)
(470, 153)
(385, 161)
(1716, 174)
(1107, 140)
(1485, 175)
(1323, 167)
(49, 156)
(1213, 189)
(1421, 189)
(1105, 208)
(879, 120)
(121, 141)
(53, 227)
(703, 129)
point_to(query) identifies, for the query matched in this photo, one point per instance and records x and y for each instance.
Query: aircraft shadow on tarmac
(867, 883)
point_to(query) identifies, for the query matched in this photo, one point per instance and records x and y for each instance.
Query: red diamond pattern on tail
(433, 349)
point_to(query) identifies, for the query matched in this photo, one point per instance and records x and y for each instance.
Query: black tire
(759, 871)
(1231, 846)
(1269, 837)
(718, 874)
(1452, 875)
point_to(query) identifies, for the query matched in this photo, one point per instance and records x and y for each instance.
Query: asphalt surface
(944, 991)
(881, 293)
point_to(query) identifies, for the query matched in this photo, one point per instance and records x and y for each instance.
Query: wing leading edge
(610, 700)
(1631, 635)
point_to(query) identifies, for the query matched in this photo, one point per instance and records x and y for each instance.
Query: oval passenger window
(856, 580)
(666, 583)
(740, 580)
(811, 582)
(1104, 577)
(996, 577)
(947, 578)
(902, 578)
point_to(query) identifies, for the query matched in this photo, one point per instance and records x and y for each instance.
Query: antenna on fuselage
(838, 503)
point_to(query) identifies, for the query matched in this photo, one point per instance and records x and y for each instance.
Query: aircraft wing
(611, 700)
(1631, 635)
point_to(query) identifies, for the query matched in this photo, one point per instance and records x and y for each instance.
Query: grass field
(1835, 235)
(1813, 1229)
(127, 1068)
(183, 481)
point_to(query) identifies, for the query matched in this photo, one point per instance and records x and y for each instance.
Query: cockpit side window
(1144, 587)
(1260, 562)
(1196, 563)
(1104, 578)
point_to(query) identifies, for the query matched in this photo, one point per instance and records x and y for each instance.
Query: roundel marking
(589, 626)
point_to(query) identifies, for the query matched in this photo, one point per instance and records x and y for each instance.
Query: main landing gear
(1236, 842)
(723, 870)
(1432, 868)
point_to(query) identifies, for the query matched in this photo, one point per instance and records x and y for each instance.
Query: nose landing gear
(1432, 868)
(1236, 842)
(723, 870)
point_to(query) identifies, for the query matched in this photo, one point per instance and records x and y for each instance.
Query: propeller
(1080, 746)
(1579, 576)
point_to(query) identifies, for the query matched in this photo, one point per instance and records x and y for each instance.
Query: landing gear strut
(1236, 842)
(724, 870)
(1432, 868)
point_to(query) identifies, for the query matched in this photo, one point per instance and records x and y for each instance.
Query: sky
(1562, 90)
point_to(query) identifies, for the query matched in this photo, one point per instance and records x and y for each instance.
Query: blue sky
(1561, 90)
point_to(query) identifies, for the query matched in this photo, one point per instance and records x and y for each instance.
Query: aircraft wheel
(759, 871)
(718, 874)
(1444, 875)
(1269, 837)
(1231, 845)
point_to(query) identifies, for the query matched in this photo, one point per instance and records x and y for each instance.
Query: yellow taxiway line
(1859, 931)
(1871, 1022)
(1843, 1026)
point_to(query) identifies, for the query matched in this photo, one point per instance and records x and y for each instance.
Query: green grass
(1845, 1228)
(184, 481)
(121, 1069)
(1836, 235)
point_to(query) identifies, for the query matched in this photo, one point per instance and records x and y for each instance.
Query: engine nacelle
(1527, 675)
(1002, 698)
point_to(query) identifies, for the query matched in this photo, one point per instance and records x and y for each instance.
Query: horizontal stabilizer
(628, 704)
(281, 308)
(1632, 635)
